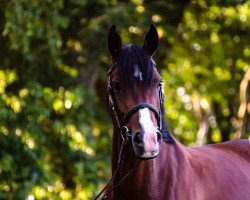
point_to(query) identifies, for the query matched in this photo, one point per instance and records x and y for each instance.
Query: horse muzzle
(146, 145)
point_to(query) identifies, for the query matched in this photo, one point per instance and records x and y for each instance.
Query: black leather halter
(121, 121)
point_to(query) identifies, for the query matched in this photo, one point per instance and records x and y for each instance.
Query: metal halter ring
(124, 130)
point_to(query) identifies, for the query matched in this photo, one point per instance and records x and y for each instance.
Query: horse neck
(150, 173)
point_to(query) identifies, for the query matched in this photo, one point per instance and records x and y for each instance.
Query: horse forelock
(134, 62)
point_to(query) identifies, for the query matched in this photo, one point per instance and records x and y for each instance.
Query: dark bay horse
(147, 161)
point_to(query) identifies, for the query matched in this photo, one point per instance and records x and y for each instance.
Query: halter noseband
(134, 109)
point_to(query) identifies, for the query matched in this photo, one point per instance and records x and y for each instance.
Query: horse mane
(166, 135)
(126, 60)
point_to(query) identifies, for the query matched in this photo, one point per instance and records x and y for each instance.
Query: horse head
(136, 92)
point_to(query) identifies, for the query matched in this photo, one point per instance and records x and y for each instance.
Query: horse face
(135, 83)
(143, 124)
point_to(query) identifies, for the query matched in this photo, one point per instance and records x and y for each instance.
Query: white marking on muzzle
(150, 131)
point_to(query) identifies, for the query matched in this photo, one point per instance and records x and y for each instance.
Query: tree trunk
(243, 123)
(202, 120)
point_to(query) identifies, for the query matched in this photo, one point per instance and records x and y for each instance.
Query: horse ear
(114, 41)
(151, 40)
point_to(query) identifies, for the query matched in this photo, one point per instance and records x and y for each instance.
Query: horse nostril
(159, 136)
(138, 138)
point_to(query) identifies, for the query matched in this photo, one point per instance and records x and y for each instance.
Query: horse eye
(116, 87)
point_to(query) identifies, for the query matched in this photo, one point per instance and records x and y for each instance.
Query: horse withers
(148, 163)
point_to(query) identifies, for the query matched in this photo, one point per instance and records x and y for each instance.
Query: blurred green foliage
(55, 131)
